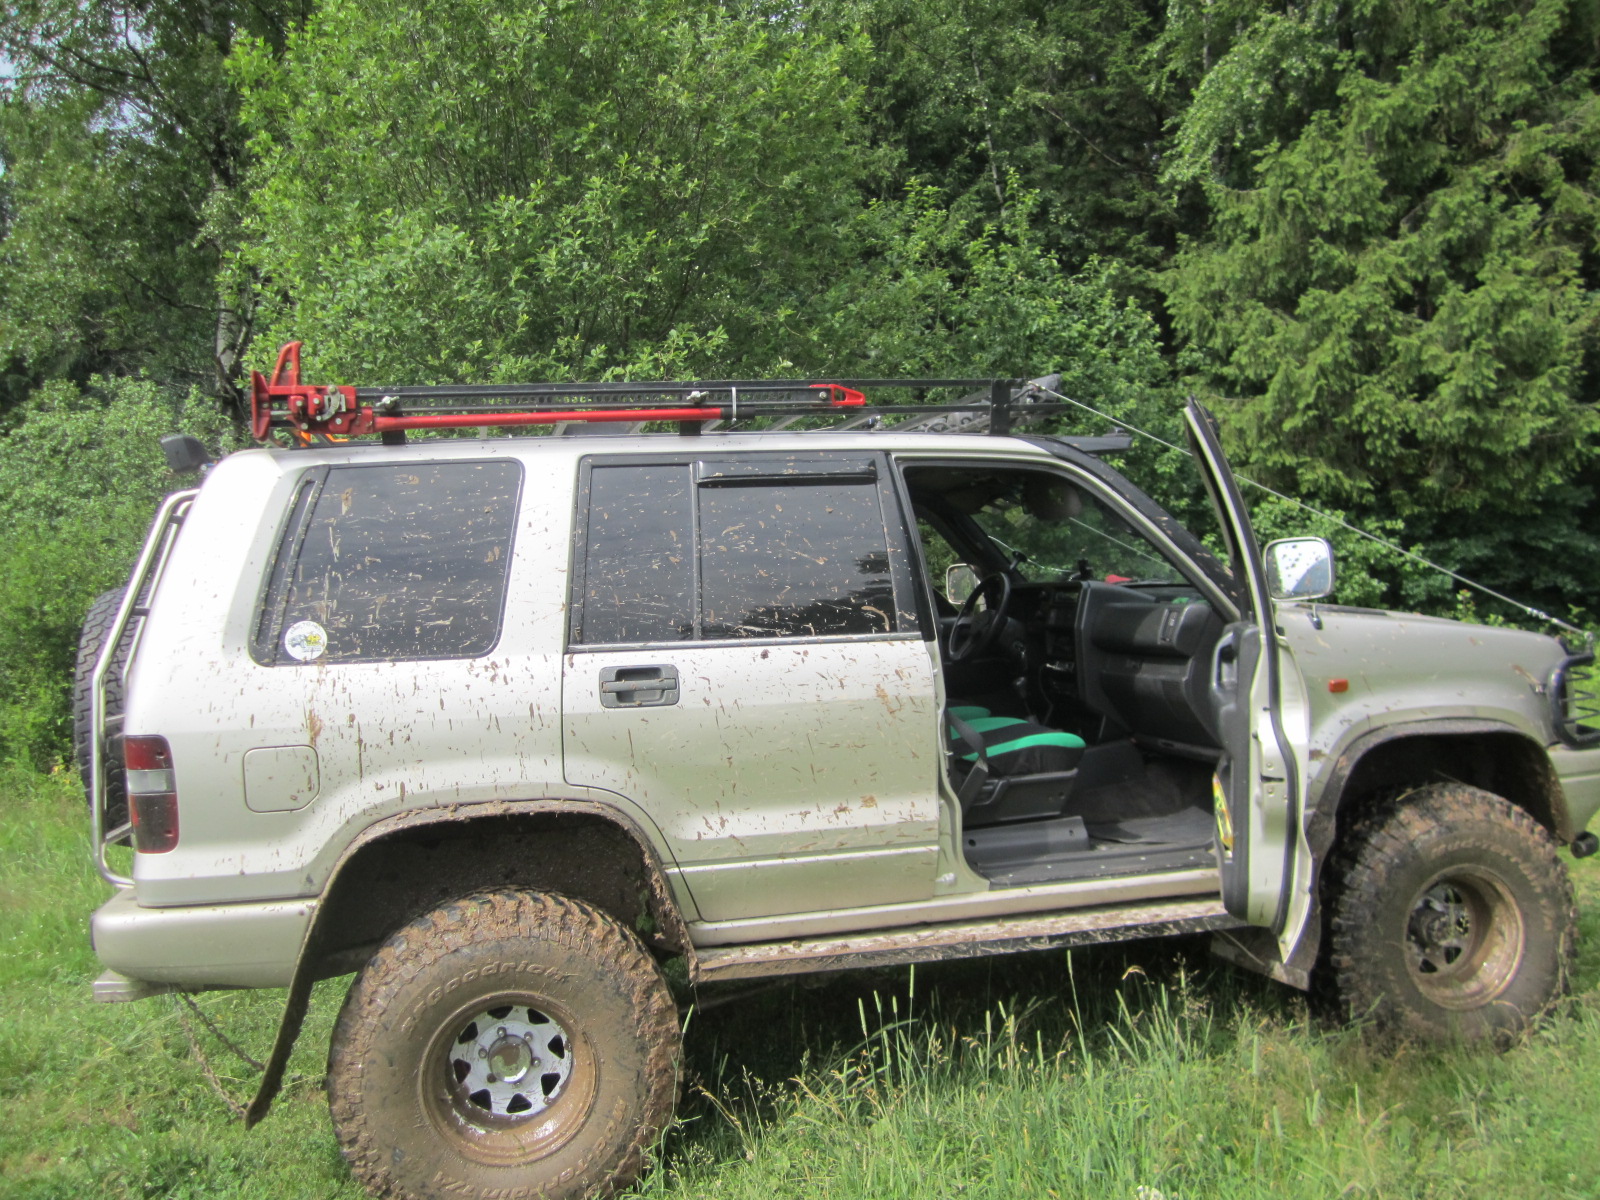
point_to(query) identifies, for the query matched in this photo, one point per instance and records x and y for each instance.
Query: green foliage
(547, 189)
(1366, 232)
(933, 286)
(1369, 574)
(122, 158)
(81, 473)
(1398, 284)
(646, 190)
(981, 96)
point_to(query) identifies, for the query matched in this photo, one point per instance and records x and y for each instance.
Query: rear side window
(391, 561)
(794, 560)
(704, 551)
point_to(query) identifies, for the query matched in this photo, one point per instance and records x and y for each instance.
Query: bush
(82, 472)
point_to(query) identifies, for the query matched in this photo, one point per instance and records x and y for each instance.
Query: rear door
(1259, 714)
(745, 663)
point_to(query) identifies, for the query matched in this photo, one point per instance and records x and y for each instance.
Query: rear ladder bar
(157, 546)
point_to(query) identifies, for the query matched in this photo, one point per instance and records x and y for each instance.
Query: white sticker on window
(305, 640)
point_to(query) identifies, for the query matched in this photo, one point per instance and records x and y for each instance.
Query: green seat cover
(1027, 735)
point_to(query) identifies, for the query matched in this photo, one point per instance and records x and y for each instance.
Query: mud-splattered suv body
(694, 696)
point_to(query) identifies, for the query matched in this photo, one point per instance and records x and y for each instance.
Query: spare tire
(97, 625)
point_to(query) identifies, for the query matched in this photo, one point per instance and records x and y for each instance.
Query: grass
(1137, 1072)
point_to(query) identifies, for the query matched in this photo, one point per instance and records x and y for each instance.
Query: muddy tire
(1452, 918)
(97, 624)
(508, 1044)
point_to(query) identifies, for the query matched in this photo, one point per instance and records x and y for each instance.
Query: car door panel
(778, 719)
(785, 778)
(1260, 715)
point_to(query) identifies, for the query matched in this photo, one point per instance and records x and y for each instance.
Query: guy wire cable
(1388, 544)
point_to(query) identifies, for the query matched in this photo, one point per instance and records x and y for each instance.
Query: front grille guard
(135, 606)
(1574, 696)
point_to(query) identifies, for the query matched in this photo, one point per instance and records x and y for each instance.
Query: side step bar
(962, 939)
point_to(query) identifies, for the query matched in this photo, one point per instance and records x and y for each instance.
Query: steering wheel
(969, 638)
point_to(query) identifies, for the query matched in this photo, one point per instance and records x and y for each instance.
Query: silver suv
(502, 725)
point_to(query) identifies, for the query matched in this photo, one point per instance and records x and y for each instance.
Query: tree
(1399, 285)
(1061, 96)
(547, 188)
(123, 157)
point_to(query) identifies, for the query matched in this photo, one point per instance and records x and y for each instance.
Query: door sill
(991, 903)
(962, 939)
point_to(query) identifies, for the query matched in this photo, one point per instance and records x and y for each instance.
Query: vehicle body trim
(965, 939)
(1326, 800)
(208, 945)
(672, 933)
(1080, 894)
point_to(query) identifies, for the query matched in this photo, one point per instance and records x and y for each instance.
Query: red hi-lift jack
(310, 411)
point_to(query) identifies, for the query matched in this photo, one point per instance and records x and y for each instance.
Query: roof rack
(311, 412)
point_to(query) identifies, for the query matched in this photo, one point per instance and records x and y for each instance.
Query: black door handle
(638, 687)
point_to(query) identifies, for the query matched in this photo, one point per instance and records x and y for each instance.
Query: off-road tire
(97, 624)
(397, 1073)
(1451, 918)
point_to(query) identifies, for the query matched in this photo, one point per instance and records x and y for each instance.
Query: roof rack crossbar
(517, 391)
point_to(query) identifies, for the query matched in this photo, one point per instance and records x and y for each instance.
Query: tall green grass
(1135, 1072)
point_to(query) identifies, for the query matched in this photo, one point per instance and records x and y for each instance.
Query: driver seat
(1009, 768)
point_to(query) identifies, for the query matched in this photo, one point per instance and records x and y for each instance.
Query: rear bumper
(212, 946)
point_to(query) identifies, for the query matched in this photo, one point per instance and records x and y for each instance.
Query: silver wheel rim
(1464, 938)
(508, 1064)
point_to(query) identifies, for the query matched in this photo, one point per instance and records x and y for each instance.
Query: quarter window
(392, 561)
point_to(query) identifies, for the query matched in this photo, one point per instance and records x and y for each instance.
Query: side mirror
(960, 581)
(1299, 568)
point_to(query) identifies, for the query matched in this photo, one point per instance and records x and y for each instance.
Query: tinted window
(638, 577)
(794, 560)
(785, 549)
(393, 562)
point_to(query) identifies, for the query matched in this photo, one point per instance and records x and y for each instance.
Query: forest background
(1366, 234)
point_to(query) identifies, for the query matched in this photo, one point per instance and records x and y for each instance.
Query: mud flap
(294, 1017)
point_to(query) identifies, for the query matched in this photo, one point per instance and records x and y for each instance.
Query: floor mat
(1192, 826)
(1163, 789)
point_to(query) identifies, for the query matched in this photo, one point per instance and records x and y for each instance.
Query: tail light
(152, 794)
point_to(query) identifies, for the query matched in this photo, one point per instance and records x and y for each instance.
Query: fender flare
(673, 932)
(1322, 815)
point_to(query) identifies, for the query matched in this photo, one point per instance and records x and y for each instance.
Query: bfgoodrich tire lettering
(1453, 917)
(509, 1044)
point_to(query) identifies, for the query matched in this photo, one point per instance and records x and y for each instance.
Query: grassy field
(1140, 1072)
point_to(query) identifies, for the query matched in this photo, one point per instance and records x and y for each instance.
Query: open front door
(1259, 713)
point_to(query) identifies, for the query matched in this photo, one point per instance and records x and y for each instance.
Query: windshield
(1056, 531)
